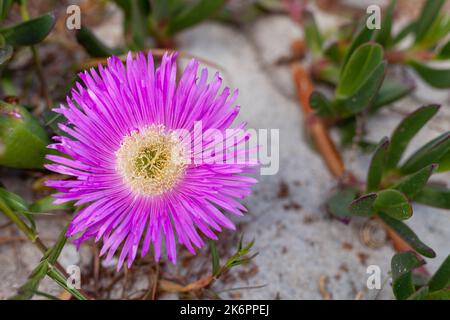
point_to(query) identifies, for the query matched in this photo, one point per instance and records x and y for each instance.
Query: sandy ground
(297, 241)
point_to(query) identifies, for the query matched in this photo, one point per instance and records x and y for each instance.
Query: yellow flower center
(151, 161)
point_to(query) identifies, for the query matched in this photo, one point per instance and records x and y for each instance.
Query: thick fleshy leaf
(406, 130)
(435, 77)
(138, 23)
(46, 204)
(404, 32)
(362, 62)
(364, 35)
(29, 32)
(363, 206)
(383, 36)
(93, 45)
(444, 163)
(438, 30)
(135, 21)
(195, 14)
(365, 94)
(439, 295)
(361, 78)
(419, 294)
(429, 13)
(18, 205)
(402, 265)
(321, 105)
(393, 203)
(338, 203)
(404, 232)
(391, 90)
(13, 200)
(376, 167)
(444, 52)
(441, 278)
(434, 196)
(22, 139)
(334, 52)
(432, 152)
(312, 33)
(412, 184)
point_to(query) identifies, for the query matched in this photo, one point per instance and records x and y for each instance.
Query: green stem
(30, 233)
(37, 61)
(62, 282)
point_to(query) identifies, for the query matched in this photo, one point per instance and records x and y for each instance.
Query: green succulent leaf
(367, 92)
(363, 206)
(435, 77)
(429, 14)
(393, 203)
(165, 10)
(404, 32)
(23, 141)
(406, 130)
(18, 205)
(333, 52)
(444, 52)
(444, 163)
(361, 78)
(441, 278)
(383, 36)
(434, 196)
(437, 31)
(402, 265)
(321, 105)
(431, 152)
(93, 45)
(412, 184)
(46, 204)
(195, 14)
(419, 294)
(137, 23)
(391, 90)
(13, 200)
(439, 295)
(376, 167)
(363, 36)
(404, 232)
(338, 203)
(362, 62)
(313, 37)
(29, 32)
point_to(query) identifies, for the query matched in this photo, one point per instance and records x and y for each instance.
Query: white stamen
(151, 161)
